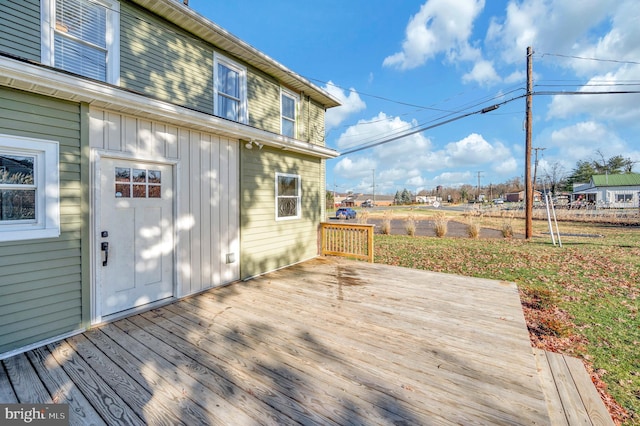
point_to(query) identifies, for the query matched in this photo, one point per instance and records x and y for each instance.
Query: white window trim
(243, 115)
(296, 100)
(298, 201)
(47, 16)
(47, 181)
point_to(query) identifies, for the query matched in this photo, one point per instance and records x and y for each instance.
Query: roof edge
(34, 78)
(190, 20)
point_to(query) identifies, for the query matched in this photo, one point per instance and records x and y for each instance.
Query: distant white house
(427, 199)
(613, 191)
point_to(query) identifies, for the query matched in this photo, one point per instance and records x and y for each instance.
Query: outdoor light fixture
(249, 145)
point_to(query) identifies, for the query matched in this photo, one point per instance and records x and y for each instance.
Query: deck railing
(347, 240)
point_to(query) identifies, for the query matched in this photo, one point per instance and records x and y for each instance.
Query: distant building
(611, 191)
(515, 197)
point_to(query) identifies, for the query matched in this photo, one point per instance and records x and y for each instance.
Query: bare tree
(555, 174)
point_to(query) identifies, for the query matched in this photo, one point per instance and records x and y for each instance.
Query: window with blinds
(82, 37)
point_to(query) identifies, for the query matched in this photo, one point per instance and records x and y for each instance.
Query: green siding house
(146, 154)
(610, 191)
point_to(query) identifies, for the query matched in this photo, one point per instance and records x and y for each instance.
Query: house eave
(49, 82)
(188, 19)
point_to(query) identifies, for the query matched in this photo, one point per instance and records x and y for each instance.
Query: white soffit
(46, 81)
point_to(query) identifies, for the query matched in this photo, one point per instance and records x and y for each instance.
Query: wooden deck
(328, 341)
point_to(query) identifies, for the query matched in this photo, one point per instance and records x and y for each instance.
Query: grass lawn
(582, 299)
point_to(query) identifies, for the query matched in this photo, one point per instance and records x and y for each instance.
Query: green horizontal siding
(20, 28)
(163, 61)
(267, 244)
(315, 123)
(263, 98)
(41, 288)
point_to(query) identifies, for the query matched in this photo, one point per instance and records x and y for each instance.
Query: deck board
(62, 389)
(328, 341)
(25, 381)
(571, 397)
(104, 399)
(7, 395)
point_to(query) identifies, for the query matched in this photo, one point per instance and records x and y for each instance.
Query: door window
(138, 183)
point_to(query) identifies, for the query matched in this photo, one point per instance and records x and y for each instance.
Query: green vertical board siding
(41, 280)
(267, 244)
(20, 24)
(163, 61)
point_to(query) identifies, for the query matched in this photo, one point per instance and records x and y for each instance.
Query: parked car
(346, 213)
(367, 203)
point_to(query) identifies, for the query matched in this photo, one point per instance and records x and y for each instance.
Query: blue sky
(398, 65)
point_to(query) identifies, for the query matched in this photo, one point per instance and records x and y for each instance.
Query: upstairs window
(288, 106)
(288, 196)
(29, 189)
(82, 37)
(230, 90)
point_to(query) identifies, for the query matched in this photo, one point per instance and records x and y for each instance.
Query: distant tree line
(553, 178)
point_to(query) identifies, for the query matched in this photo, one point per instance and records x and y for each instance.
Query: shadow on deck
(328, 341)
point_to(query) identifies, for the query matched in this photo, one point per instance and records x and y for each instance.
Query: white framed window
(288, 196)
(29, 189)
(230, 89)
(624, 198)
(83, 37)
(288, 108)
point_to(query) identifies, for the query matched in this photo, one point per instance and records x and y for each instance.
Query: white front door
(134, 246)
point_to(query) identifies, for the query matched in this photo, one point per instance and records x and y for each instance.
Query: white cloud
(615, 107)
(580, 141)
(560, 26)
(350, 104)
(516, 77)
(474, 150)
(506, 167)
(379, 128)
(437, 28)
(407, 162)
(453, 179)
(348, 168)
(483, 73)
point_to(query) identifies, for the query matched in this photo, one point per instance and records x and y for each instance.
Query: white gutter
(46, 81)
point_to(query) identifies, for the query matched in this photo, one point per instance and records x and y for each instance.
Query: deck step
(572, 399)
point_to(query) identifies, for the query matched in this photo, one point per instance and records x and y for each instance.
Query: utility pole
(527, 167)
(374, 188)
(535, 166)
(478, 197)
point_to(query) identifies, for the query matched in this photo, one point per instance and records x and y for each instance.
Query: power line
(589, 59)
(610, 92)
(422, 129)
(390, 135)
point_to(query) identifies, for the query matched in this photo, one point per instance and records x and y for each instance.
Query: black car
(346, 213)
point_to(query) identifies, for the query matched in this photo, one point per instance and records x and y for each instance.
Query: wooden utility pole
(527, 163)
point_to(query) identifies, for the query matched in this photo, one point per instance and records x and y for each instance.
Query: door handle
(105, 248)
